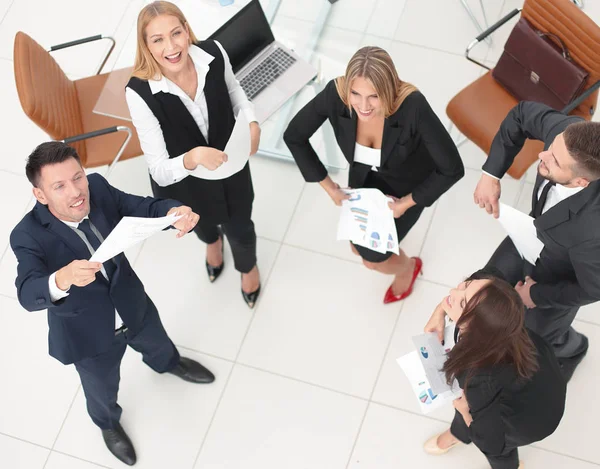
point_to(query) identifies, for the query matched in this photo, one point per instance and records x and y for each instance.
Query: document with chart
(433, 354)
(367, 220)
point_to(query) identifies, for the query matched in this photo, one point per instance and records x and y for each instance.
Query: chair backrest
(579, 33)
(47, 96)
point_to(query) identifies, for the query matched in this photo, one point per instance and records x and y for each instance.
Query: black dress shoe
(192, 371)
(568, 365)
(212, 271)
(119, 444)
(250, 298)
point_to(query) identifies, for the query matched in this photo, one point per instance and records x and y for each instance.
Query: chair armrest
(100, 132)
(486, 33)
(85, 40)
(580, 99)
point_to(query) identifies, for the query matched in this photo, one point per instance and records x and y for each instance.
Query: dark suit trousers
(100, 375)
(240, 233)
(509, 459)
(553, 324)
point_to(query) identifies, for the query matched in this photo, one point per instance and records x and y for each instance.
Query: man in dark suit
(94, 310)
(566, 208)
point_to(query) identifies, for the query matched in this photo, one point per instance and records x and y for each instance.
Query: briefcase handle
(565, 51)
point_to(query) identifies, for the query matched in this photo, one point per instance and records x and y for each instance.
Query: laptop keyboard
(266, 72)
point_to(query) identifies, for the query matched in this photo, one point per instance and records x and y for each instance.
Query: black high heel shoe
(214, 272)
(250, 298)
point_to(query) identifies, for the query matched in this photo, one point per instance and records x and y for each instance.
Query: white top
(368, 156)
(556, 194)
(167, 171)
(58, 294)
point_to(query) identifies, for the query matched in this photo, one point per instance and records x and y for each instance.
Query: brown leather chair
(63, 108)
(479, 109)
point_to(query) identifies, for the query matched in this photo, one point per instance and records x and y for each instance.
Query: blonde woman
(392, 140)
(183, 98)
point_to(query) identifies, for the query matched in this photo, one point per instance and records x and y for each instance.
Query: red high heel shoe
(389, 294)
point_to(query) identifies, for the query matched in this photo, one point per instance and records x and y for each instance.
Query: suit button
(40, 301)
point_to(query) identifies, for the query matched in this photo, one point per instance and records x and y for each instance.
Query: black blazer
(510, 411)
(417, 154)
(568, 270)
(82, 324)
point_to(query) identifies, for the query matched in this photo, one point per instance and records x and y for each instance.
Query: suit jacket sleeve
(526, 120)
(448, 165)
(584, 291)
(487, 428)
(129, 205)
(303, 126)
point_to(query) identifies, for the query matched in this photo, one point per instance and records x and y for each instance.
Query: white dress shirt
(556, 194)
(58, 294)
(164, 170)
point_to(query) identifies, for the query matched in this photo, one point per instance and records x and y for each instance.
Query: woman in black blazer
(513, 389)
(184, 98)
(392, 140)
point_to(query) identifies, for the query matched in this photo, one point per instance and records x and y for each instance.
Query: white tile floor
(309, 379)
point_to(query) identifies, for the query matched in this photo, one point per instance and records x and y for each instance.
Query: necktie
(539, 206)
(86, 227)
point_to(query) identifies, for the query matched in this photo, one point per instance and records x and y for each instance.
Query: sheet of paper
(237, 150)
(129, 232)
(432, 355)
(367, 220)
(428, 399)
(522, 231)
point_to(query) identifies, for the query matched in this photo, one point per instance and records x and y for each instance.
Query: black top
(417, 154)
(212, 200)
(509, 409)
(568, 270)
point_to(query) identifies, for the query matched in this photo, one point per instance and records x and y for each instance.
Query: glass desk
(209, 15)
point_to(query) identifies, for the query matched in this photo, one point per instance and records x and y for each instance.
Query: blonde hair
(145, 66)
(375, 65)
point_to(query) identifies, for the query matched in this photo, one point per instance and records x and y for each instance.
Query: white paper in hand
(129, 232)
(367, 220)
(428, 400)
(522, 231)
(237, 151)
(433, 355)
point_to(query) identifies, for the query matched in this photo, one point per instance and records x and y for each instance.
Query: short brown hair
(145, 67)
(375, 65)
(583, 144)
(45, 154)
(494, 334)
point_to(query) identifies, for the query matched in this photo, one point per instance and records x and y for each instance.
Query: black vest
(215, 201)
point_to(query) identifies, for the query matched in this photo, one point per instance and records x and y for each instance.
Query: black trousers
(553, 324)
(509, 459)
(240, 233)
(100, 375)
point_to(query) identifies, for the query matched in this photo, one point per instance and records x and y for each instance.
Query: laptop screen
(245, 35)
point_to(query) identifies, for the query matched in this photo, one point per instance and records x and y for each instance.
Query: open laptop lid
(245, 35)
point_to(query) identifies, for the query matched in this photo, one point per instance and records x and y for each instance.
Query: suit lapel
(347, 124)
(70, 238)
(561, 212)
(391, 133)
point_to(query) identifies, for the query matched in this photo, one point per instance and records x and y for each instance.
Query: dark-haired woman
(513, 389)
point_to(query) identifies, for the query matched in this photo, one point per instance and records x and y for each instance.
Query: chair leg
(120, 128)
(461, 138)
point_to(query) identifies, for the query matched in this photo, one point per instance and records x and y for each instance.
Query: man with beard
(566, 208)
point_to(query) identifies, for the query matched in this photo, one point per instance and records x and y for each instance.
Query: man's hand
(187, 222)
(254, 137)
(437, 323)
(79, 273)
(487, 194)
(523, 289)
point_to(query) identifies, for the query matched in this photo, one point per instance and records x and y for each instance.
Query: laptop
(269, 72)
